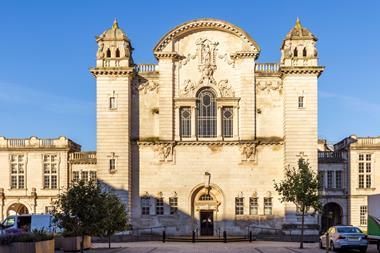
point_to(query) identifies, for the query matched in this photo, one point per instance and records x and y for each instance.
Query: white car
(344, 237)
(28, 223)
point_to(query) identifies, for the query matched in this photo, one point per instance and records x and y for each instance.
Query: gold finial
(115, 25)
(298, 24)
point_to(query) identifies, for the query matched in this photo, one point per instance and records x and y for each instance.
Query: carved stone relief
(206, 54)
(146, 86)
(165, 152)
(248, 152)
(268, 87)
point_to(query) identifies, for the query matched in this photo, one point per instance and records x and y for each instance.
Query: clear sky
(47, 47)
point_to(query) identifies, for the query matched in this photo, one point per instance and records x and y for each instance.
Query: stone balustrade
(83, 157)
(368, 141)
(146, 68)
(34, 142)
(267, 67)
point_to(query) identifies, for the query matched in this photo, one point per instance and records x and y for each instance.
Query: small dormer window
(304, 53)
(117, 54)
(108, 54)
(295, 53)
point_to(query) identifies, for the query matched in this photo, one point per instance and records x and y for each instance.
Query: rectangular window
(329, 179)
(268, 206)
(50, 168)
(173, 202)
(185, 128)
(112, 165)
(239, 206)
(227, 116)
(93, 176)
(321, 180)
(76, 176)
(300, 102)
(159, 206)
(363, 215)
(338, 179)
(253, 206)
(17, 169)
(112, 103)
(365, 170)
(84, 175)
(145, 205)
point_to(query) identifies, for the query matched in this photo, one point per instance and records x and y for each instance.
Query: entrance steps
(207, 239)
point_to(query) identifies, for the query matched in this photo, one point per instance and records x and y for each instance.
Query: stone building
(35, 171)
(195, 141)
(351, 172)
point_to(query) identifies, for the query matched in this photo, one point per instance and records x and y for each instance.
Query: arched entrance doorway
(207, 209)
(332, 215)
(17, 209)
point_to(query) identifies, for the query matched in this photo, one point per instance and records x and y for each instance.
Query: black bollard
(193, 237)
(163, 236)
(224, 236)
(250, 236)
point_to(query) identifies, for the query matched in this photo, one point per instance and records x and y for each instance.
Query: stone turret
(299, 47)
(114, 48)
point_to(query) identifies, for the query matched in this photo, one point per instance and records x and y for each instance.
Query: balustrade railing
(267, 67)
(146, 68)
(82, 155)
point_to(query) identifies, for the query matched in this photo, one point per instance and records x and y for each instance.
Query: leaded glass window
(227, 114)
(206, 114)
(185, 122)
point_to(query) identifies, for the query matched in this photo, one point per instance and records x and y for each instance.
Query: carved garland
(268, 87)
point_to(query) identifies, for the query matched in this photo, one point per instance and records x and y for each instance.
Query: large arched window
(206, 114)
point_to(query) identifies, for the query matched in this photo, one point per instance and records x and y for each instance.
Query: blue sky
(47, 48)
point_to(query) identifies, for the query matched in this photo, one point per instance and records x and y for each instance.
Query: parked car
(344, 237)
(28, 223)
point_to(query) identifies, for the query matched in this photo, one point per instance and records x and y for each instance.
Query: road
(233, 247)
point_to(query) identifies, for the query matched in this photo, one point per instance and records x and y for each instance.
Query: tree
(115, 219)
(300, 186)
(81, 210)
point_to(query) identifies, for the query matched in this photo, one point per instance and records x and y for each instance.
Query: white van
(28, 223)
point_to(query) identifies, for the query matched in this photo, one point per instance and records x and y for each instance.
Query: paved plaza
(233, 247)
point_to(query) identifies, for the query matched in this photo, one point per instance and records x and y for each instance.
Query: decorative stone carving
(189, 89)
(227, 58)
(206, 55)
(148, 86)
(268, 87)
(225, 89)
(100, 53)
(165, 152)
(248, 152)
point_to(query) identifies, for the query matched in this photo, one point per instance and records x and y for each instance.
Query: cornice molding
(210, 143)
(200, 24)
(313, 70)
(112, 71)
(168, 55)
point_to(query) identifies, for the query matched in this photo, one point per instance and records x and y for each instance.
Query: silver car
(344, 237)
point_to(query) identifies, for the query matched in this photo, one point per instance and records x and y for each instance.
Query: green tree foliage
(81, 209)
(115, 219)
(300, 186)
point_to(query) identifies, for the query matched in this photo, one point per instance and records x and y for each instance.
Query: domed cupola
(114, 48)
(299, 47)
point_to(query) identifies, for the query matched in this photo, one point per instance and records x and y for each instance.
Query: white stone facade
(201, 135)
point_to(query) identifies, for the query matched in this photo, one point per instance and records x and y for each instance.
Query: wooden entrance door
(207, 223)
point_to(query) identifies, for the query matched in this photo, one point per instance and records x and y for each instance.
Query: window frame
(268, 205)
(159, 206)
(17, 176)
(254, 205)
(365, 170)
(239, 205)
(206, 115)
(363, 212)
(227, 122)
(185, 123)
(173, 203)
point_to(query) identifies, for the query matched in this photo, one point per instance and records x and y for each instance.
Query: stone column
(235, 124)
(193, 124)
(219, 123)
(177, 118)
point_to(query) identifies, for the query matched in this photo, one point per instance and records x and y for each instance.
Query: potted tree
(80, 211)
